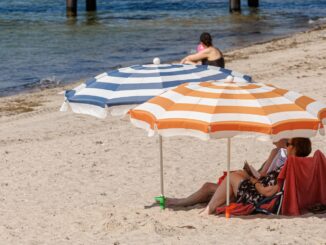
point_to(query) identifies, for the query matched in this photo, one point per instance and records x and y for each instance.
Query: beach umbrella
(119, 90)
(227, 109)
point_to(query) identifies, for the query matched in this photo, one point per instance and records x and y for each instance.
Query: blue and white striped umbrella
(127, 87)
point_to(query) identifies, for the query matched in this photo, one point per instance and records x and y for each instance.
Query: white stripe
(131, 80)
(179, 98)
(235, 92)
(228, 134)
(88, 109)
(315, 107)
(290, 115)
(292, 96)
(109, 94)
(212, 118)
(183, 132)
(160, 113)
(143, 125)
(152, 108)
(144, 71)
(157, 79)
(305, 133)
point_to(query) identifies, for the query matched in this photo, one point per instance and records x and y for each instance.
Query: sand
(74, 179)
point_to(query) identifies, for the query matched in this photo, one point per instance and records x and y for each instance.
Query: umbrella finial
(156, 61)
(229, 79)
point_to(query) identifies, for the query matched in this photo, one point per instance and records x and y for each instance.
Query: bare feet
(170, 202)
(205, 212)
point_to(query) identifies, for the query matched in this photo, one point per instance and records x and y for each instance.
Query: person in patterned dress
(242, 188)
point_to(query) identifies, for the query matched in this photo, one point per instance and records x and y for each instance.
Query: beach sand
(74, 179)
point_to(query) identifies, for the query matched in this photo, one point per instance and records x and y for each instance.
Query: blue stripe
(248, 78)
(155, 74)
(141, 67)
(88, 99)
(137, 86)
(69, 93)
(89, 82)
(129, 100)
(102, 102)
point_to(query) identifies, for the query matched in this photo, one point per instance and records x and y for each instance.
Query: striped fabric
(137, 84)
(226, 109)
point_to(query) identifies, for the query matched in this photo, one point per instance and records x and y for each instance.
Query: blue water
(39, 45)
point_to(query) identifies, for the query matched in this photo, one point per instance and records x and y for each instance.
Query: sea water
(40, 46)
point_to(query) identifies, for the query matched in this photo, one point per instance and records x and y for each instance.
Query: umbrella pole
(228, 173)
(161, 199)
(161, 164)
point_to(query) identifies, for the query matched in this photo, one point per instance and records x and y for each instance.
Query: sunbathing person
(276, 158)
(242, 189)
(210, 55)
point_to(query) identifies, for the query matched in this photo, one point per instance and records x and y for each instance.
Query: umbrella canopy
(226, 109)
(137, 84)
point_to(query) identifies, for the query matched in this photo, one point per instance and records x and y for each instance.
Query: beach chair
(271, 205)
(302, 185)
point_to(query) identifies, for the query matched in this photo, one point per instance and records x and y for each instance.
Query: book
(251, 171)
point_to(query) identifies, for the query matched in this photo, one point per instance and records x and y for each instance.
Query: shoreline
(68, 178)
(22, 101)
(46, 85)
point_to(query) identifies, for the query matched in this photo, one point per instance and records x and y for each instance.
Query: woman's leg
(219, 197)
(202, 195)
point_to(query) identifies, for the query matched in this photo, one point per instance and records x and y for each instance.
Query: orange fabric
(305, 183)
(143, 116)
(170, 105)
(244, 209)
(270, 94)
(183, 123)
(304, 101)
(224, 86)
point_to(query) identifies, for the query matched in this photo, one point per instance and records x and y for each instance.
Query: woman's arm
(267, 191)
(195, 57)
(268, 162)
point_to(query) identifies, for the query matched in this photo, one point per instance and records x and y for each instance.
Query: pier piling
(253, 3)
(235, 5)
(71, 8)
(90, 5)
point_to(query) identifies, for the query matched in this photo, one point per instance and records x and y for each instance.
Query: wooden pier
(235, 6)
(71, 7)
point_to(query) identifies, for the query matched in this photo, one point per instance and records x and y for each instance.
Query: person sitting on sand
(242, 189)
(210, 55)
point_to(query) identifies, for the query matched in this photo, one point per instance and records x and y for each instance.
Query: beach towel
(305, 183)
(245, 209)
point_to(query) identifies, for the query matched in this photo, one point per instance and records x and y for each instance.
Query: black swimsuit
(219, 62)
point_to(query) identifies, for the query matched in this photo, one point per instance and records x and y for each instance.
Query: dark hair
(206, 39)
(302, 146)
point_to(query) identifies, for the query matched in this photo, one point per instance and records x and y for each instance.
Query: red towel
(305, 183)
(244, 209)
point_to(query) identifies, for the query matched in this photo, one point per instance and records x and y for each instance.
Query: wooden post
(253, 3)
(90, 5)
(71, 8)
(235, 5)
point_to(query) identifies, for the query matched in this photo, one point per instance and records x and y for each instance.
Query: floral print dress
(247, 192)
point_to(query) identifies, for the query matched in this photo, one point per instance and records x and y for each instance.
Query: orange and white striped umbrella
(226, 109)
